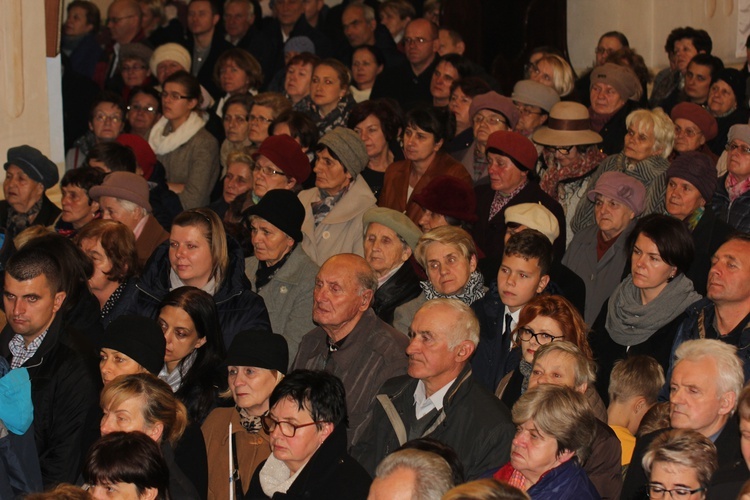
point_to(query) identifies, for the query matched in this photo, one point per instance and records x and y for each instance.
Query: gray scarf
(630, 323)
(472, 291)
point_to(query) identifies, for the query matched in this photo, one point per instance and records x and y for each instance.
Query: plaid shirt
(22, 354)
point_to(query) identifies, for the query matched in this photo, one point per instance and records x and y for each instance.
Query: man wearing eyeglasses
(124, 23)
(731, 201)
(409, 83)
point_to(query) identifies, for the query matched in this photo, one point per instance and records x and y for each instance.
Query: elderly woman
(598, 253)
(614, 93)
(199, 254)
(236, 120)
(130, 345)
(680, 462)
(390, 240)
(648, 143)
(545, 319)
(133, 66)
(694, 126)
(489, 112)
(330, 101)
(256, 362)
(691, 183)
(570, 154)
(266, 108)
(129, 464)
(555, 72)
(78, 40)
(534, 102)
(425, 132)
(194, 349)
(553, 437)
(297, 80)
(28, 174)
(728, 103)
(379, 124)
(367, 64)
(280, 270)
(308, 442)
(279, 164)
(449, 257)
(189, 153)
(237, 183)
(300, 127)
(644, 312)
(106, 122)
(123, 197)
(335, 206)
(236, 73)
(446, 201)
(78, 209)
(463, 92)
(732, 198)
(143, 403)
(144, 110)
(111, 246)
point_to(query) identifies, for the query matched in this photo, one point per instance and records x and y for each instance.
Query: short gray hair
(728, 365)
(585, 371)
(467, 328)
(131, 207)
(433, 475)
(367, 11)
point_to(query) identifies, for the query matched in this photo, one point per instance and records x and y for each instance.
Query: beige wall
(647, 23)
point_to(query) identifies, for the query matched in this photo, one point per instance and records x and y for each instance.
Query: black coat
(400, 288)
(400, 83)
(491, 359)
(739, 115)
(46, 217)
(206, 74)
(710, 233)
(331, 473)
(238, 306)
(735, 213)
(615, 129)
(63, 390)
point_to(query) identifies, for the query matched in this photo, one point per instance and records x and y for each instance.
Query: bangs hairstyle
(274, 100)
(107, 96)
(447, 235)
(93, 16)
(436, 121)
(684, 447)
(387, 112)
(149, 91)
(656, 121)
(671, 237)
(241, 156)
(118, 243)
(244, 100)
(127, 457)
(319, 393)
(471, 86)
(636, 376)
(303, 59)
(530, 244)
(559, 412)
(160, 405)
(212, 229)
(563, 78)
(584, 368)
(568, 318)
(83, 177)
(301, 127)
(189, 83)
(245, 61)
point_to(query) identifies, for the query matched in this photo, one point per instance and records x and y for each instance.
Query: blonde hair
(485, 489)
(656, 121)
(563, 80)
(636, 376)
(447, 235)
(213, 230)
(684, 447)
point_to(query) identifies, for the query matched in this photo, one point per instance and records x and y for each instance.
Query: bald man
(350, 341)
(124, 23)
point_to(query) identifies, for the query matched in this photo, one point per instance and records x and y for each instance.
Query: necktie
(507, 333)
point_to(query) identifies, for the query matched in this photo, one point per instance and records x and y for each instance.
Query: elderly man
(706, 381)
(409, 83)
(350, 341)
(124, 23)
(562, 363)
(598, 253)
(731, 201)
(239, 20)
(28, 173)
(411, 474)
(389, 242)
(361, 28)
(439, 397)
(123, 196)
(62, 387)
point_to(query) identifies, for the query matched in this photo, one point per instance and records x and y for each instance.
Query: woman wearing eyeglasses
(256, 361)
(732, 198)
(570, 155)
(694, 127)
(189, 153)
(679, 464)
(266, 108)
(134, 68)
(144, 109)
(545, 319)
(307, 429)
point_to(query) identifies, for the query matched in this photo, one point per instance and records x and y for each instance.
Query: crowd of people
(317, 252)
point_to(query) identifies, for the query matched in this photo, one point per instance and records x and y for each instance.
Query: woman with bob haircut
(129, 464)
(544, 319)
(554, 71)
(236, 121)
(111, 247)
(199, 254)
(679, 463)
(644, 312)
(307, 426)
(194, 349)
(449, 257)
(189, 153)
(648, 144)
(141, 402)
(553, 438)
(236, 72)
(426, 129)
(379, 123)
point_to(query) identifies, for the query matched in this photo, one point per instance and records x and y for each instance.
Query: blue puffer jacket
(565, 482)
(238, 306)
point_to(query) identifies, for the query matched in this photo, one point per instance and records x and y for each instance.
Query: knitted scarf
(736, 187)
(472, 291)
(164, 140)
(556, 174)
(17, 221)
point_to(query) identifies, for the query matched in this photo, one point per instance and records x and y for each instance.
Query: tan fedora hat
(568, 125)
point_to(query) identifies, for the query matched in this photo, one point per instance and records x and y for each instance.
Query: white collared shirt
(423, 404)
